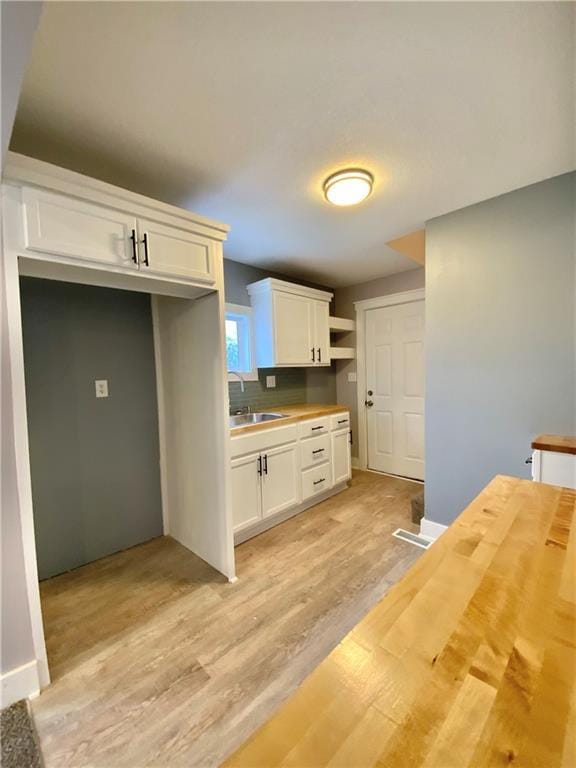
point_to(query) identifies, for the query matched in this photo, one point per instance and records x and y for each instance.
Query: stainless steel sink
(242, 419)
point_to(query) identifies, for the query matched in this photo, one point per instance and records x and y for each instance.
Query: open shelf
(342, 353)
(341, 324)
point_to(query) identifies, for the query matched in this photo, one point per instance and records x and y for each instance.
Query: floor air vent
(412, 538)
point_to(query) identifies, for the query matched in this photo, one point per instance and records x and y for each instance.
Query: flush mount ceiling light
(348, 187)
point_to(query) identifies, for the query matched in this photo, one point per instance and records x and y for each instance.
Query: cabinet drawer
(261, 440)
(314, 427)
(315, 451)
(340, 421)
(316, 480)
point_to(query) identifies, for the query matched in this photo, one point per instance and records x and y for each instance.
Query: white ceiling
(239, 110)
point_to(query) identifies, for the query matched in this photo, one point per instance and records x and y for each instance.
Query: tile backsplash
(290, 389)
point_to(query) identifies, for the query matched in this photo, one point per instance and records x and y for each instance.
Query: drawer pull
(343, 421)
(318, 450)
(317, 482)
(315, 428)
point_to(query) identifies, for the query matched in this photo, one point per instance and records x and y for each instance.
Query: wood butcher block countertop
(293, 413)
(469, 660)
(556, 443)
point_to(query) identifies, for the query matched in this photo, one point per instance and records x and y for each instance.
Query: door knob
(368, 403)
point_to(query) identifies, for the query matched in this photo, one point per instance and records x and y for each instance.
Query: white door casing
(394, 374)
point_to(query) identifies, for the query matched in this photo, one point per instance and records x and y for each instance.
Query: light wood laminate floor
(157, 661)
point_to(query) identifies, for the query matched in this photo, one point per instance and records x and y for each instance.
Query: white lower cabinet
(278, 472)
(341, 459)
(246, 491)
(280, 482)
(554, 468)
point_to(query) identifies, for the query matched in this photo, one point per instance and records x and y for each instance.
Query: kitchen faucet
(235, 373)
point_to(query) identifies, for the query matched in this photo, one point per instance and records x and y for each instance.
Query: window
(240, 342)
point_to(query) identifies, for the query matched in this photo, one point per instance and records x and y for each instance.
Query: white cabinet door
(293, 329)
(73, 228)
(280, 479)
(321, 333)
(170, 251)
(246, 493)
(341, 459)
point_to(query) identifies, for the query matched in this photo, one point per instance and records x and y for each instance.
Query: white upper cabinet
(290, 324)
(64, 226)
(169, 251)
(293, 328)
(322, 332)
(63, 221)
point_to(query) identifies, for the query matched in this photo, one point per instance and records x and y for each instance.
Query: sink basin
(242, 419)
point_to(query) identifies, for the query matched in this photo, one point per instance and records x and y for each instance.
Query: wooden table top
(556, 443)
(469, 660)
(292, 413)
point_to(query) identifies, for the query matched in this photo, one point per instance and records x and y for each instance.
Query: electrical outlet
(352, 377)
(270, 381)
(101, 386)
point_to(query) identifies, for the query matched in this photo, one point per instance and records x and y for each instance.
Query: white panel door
(176, 252)
(395, 388)
(75, 229)
(246, 494)
(280, 479)
(321, 333)
(293, 329)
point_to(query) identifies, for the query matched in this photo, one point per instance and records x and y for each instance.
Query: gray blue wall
(500, 338)
(293, 385)
(95, 462)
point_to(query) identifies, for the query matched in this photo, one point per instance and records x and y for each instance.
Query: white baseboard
(431, 530)
(20, 683)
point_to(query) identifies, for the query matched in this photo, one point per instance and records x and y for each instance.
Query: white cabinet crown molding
(272, 284)
(21, 170)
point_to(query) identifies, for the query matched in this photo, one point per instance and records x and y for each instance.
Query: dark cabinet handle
(342, 421)
(319, 355)
(259, 463)
(134, 247)
(351, 439)
(318, 450)
(317, 482)
(266, 464)
(315, 428)
(145, 241)
(313, 355)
